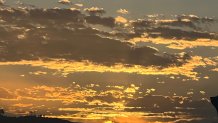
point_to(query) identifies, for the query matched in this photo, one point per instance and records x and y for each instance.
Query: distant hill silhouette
(31, 119)
(214, 101)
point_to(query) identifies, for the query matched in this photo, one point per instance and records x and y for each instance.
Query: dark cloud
(34, 15)
(95, 17)
(175, 28)
(191, 21)
(30, 34)
(204, 120)
(195, 18)
(175, 104)
(105, 21)
(170, 33)
(107, 98)
(179, 23)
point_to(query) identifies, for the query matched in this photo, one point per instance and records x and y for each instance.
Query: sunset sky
(110, 61)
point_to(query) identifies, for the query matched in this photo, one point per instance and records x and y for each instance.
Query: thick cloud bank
(31, 34)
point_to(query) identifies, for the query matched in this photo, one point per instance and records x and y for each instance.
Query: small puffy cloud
(21, 36)
(149, 91)
(64, 2)
(38, 73)
(120, 19)
(202, 92)
(79, 4)
(122, 11)
(95, 11)
(131, 89)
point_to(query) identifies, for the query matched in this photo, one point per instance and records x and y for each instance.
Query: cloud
(120, 19)
(113, 103)
(68, 67)
(5, 94)
(169, 33)
(177, 23)
(129, 119)
(34, 15)
(161, 103)
(2, 2)
(181, 27)
(179, 44)
(95, 11)
(67, 2)
(21, 105)
(105, 21)
(63, 41)
(79, 4)
(62, 34)
(38, 73)
(195, 18)
(122, 11)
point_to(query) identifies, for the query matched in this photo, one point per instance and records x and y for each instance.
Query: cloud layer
(31, 34)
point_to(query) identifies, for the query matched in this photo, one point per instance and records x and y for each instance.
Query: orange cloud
(130, 119)
(66, 67)
(22, 105)
(177, 44)
(120, 19)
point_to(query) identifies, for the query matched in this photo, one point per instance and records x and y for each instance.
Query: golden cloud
(67, 67)
(22, 105)
(120, 19)
(122, 11)
(177, 44)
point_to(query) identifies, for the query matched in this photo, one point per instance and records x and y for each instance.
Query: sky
(117, 61)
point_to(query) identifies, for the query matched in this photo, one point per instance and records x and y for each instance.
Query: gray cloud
(30, 34)
(188, 27)
(105, 21)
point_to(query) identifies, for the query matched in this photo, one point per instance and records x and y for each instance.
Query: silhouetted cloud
(61, 33)
(105, 21)
(175, 28)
